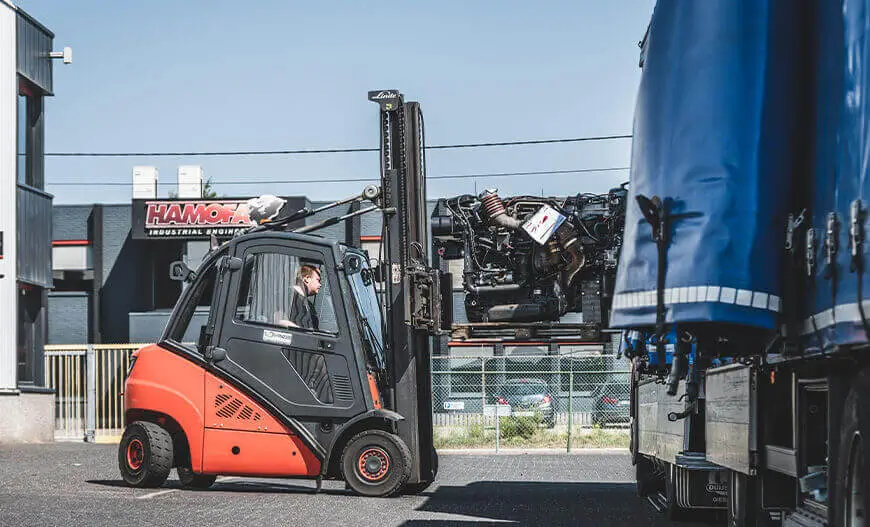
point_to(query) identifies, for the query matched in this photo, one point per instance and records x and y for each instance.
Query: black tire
(376, 463)
(645, 477)
(741, 500)
(145, 455)
(853, 483)
(192, 480)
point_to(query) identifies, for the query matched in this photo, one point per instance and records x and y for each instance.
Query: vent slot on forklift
(228, 407)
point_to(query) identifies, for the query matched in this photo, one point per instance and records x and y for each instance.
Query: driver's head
(309, 278)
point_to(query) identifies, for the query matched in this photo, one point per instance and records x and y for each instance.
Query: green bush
(523, 427)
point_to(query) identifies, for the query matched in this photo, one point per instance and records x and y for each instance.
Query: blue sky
(209, 76)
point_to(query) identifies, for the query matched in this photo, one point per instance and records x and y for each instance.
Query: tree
(208, 191)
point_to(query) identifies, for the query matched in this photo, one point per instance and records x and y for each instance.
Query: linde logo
(385, 95)
(163, 214)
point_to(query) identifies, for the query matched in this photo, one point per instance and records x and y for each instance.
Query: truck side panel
(659, 437)
(730, 417)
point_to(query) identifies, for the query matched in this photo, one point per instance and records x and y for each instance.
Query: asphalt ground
(71, 484)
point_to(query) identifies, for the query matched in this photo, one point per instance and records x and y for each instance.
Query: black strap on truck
(856, 246)
(655, 213)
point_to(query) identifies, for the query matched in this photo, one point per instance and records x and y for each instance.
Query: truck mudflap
(699, 484)
(731, 417)
(658, 436)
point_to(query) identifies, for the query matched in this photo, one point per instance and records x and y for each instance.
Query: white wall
(8, 180)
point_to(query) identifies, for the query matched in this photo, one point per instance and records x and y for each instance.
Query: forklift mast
(411, 287)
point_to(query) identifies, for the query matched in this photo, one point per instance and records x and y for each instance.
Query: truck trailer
(739, 289)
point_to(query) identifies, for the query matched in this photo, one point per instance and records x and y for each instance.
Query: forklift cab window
(368, 307)
(197, 308)
(285, 291)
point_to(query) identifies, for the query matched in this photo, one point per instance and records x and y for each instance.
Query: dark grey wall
(70, 222)
(147, 327)
(124, 265)
(68, 317)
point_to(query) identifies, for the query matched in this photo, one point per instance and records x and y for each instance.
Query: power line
(330, 150)
(354, 180)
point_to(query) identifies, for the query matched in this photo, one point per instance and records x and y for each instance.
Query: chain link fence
(528, 401)
(516, 400)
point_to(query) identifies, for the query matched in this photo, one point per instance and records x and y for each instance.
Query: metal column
(403, 182)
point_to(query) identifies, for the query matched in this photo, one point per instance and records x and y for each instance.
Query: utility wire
(354, 180)
(330, 150)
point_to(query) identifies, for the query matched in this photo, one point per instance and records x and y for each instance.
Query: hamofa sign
(197, 219)
(189, 219)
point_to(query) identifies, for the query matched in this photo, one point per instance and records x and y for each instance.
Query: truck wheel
(376, 463)
(852, 482)
(192, 480)
(145, 455)
(740, 500)
(645, 477)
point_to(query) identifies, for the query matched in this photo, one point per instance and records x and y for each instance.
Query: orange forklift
(302, 367)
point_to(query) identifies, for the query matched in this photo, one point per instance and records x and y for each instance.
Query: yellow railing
(88, 381)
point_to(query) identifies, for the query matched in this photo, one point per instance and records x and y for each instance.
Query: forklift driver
(302, 312)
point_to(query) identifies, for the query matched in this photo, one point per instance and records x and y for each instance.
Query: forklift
(279, 386)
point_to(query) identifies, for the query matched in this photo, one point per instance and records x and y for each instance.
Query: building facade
(111, 261)
(25, 227)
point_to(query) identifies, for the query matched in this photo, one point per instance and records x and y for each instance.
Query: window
(286, 291)
(22, 140)
(196, 308)
(29, 137)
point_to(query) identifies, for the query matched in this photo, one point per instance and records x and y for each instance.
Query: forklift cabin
(300, 369)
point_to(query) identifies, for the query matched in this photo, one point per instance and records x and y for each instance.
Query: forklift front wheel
(145, 454)
(376, 463)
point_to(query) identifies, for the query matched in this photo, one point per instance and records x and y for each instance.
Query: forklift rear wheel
(145, 455)
(192, 480)
(376, 463)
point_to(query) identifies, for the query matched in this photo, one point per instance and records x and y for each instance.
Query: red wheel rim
(373, 464)
(135, 454)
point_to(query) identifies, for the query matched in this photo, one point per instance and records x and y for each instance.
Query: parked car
(611, 404)
(528, 397)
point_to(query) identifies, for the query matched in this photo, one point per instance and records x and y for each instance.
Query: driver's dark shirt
(302, 312)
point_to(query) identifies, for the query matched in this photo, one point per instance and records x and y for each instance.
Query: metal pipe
(332, 221)
(487, 289)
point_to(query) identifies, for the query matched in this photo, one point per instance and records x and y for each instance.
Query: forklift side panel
(179, 393)
(257, 454)
(226, 408)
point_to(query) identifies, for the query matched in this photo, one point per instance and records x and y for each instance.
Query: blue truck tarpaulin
(715, 127)
(841, 164)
